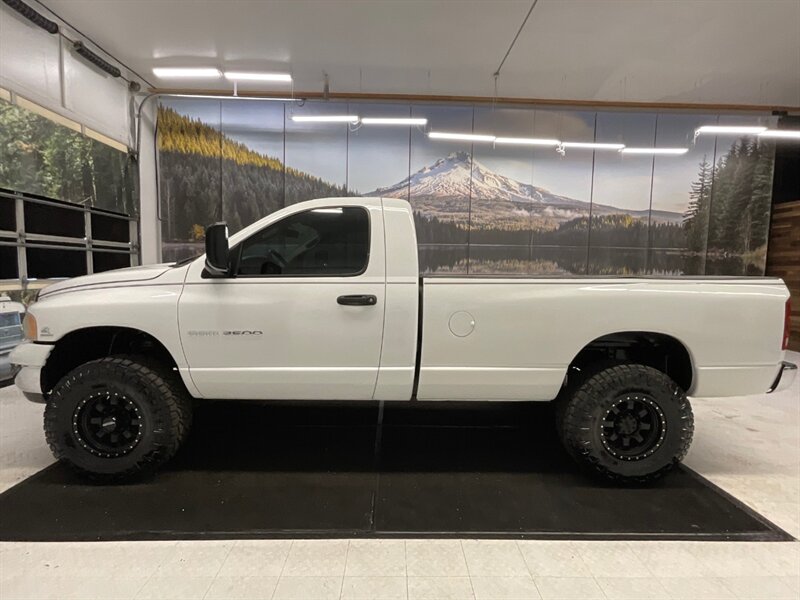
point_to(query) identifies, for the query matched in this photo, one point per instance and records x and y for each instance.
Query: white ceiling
(706, 51)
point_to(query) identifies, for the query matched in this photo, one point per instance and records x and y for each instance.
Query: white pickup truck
(323, 301)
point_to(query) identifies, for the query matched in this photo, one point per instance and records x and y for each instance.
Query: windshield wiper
(183, 261)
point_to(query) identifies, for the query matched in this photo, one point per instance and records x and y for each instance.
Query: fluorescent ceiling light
(673, 151)
(167, 72)
(786, 134)
(593, 145)
(393, 121)
(730, 129)
(334, 211)
(231, 97)
(325, 118)
(250, 76)
(527, 141)
(470, 137)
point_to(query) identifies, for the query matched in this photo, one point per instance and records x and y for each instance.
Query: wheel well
(83, 345)
(657, 350)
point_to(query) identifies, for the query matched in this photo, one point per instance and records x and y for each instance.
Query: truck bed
(512, 338)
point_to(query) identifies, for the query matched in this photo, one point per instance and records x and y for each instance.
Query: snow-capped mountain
(434, 190)
(458, 175)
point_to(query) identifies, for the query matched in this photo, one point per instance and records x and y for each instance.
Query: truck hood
(127, 275)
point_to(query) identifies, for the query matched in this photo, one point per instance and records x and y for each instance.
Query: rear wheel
(628, 423)
(116, 417)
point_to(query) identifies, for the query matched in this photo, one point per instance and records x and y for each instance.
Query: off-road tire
(162, 404)
(584, 412)
(184, 403)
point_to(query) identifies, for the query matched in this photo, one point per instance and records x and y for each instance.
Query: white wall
(43, 68)
(149, 223)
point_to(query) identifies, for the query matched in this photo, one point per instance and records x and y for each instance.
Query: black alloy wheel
(108, 424)
(633, 428)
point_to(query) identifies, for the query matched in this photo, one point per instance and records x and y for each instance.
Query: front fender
(151, 309)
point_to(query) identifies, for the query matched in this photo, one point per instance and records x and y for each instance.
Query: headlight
(29, 327)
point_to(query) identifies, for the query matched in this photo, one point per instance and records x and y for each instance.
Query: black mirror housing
(217, 261)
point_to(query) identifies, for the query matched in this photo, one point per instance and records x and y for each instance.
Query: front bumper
(30, 357)
(785, 377)
(7, 370)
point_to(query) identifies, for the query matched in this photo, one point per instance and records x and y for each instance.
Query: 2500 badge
(243, 332)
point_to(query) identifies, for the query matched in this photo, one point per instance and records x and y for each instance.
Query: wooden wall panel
(783, 257)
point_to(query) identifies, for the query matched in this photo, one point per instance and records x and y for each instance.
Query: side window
(318, 242)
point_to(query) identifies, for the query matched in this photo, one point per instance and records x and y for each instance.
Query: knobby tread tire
(159, 389)
(181, 407)
(580, 414)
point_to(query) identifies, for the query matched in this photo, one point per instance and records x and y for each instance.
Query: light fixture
(527, 141)
(670, 151)
(730, 129)
(332, 211)
(325, 118)
(785, 134)
(252, 76)
(33, 16)
(593, 145)
(394, 121)
(469, 137)
(97, 61)
(167, 72)
(230, 97)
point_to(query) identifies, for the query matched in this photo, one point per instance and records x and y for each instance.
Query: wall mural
(481, 207)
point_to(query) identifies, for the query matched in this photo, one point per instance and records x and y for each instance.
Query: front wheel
(628, 423)
(116, 417)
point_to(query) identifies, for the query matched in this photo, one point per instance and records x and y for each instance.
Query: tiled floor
(748, 446)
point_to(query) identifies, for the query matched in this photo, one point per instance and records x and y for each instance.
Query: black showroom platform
(262, 471)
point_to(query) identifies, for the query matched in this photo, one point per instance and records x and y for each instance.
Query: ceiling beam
(541, 102)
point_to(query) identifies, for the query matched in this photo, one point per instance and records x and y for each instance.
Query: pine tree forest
(192, 155)
(729, 203)
(38, 156)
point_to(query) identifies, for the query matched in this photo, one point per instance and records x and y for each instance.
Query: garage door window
(315, 243)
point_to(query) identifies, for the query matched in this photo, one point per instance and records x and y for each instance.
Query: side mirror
(217, 250)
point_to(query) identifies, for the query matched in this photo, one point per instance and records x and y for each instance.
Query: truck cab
(317, 303)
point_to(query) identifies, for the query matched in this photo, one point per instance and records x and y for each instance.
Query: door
(300, 317)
